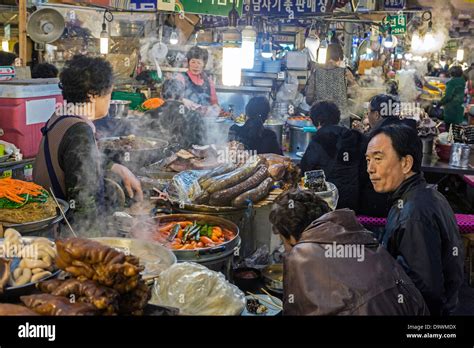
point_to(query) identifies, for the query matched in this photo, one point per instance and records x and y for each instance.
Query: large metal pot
(135, 159)
(119, 108)
(144, 230)
(299, 139)
(278, 129)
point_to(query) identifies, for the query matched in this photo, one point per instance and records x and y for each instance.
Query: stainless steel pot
(278, 129)
(144, 230)
(119, 108)
(273, 277)
(299, 139)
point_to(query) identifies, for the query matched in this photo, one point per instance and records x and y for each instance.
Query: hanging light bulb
(322, 52)
(104, 35)
(267, 50)
(104, 40)
(460, 55)
(429, 39)
(174, 38)
(389, 41)
(231, 58)
(5, 46)
(249, 37)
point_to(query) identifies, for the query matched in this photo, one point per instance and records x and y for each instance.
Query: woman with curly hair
(69, 161)
(334, 266)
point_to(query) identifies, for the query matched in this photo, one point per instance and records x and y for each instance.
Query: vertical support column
(22, 31)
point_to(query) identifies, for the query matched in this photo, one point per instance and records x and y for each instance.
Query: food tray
(155, 257)
(39, 225)
(13, 292)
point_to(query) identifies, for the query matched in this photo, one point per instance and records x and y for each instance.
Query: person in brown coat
(334, 266)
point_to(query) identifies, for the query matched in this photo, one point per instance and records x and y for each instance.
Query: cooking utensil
(144, 230)
(247, 283)
(273, 277)
(262, 299)
(134, 158)
(62, 212)
(273, 298)
(299, 139)
(155, 257)
(119, 108)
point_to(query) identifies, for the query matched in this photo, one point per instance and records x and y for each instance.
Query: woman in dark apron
(200, 92)
(69, 161)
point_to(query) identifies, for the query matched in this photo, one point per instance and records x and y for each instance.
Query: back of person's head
(325, 113)
(386, 105)
(295, 210)
(197, 52)
(173, 89)
(405, 141)
(44, 71)
(335, 52)
(7, 58)
(83, 77)
(258, 107)
(455, 71)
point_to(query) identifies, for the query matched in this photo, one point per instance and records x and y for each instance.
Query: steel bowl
(154, 257)
(273, 277)
(119, 108)
(144, 230)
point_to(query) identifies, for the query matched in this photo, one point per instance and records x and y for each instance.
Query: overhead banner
(208, 7)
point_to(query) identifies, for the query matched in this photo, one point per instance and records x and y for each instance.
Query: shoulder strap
(47, 154)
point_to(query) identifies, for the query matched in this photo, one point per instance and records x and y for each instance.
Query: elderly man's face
(386, 170)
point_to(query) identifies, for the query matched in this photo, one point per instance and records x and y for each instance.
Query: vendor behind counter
(69, 161)
(200, 91)
(253, 133)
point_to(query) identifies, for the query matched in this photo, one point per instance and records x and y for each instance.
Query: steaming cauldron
(134, 152)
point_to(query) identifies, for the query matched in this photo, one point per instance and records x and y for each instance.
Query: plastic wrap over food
(186, 186)
(196, 290)
(331, 196)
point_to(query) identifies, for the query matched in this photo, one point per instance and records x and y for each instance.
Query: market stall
(182, 79)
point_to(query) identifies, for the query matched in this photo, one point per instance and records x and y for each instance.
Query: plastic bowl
(443, 151)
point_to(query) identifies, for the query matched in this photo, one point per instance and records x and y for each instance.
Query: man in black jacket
(383, 110)
(421, 230)
(335, 149)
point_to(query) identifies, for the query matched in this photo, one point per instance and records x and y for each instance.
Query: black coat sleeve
(82, 164)
(419, 252)
(312, 158)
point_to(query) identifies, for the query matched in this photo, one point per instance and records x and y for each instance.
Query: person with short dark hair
(69, 161)
(253, 133)
(200, 91)
(454, 98)
(421, 232)
(7, 58)
(383, 110)
(173, 121)
(44, 71)
(334, 149)
(317, 281)
(331, 82)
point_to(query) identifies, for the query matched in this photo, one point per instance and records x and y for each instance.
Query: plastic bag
(185, 185)
(196, 290)
(259, 259)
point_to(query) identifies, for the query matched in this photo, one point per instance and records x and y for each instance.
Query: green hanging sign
(208, 7)
(398, 23)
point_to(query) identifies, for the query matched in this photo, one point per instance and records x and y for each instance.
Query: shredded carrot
(11, 189)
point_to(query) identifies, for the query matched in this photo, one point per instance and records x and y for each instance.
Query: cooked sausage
(255, 195)
(225, 197)
(277, 171)
(236, 176)
(222, 169)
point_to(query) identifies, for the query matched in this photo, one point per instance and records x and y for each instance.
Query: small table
(432, 164)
